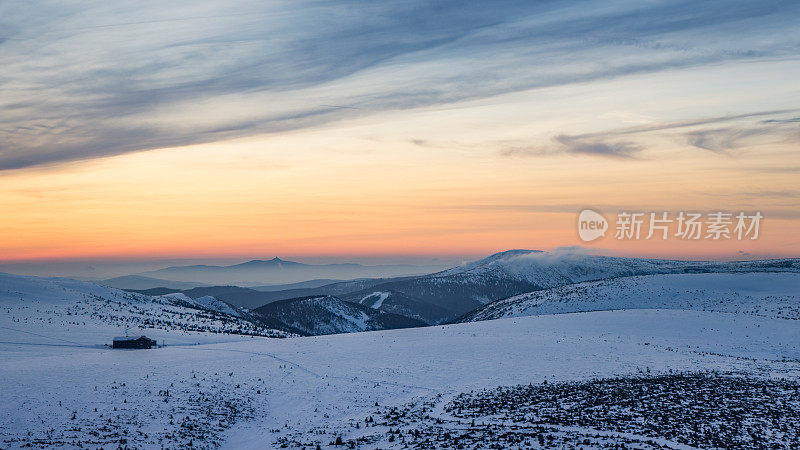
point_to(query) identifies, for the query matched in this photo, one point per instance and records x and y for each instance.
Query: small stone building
(133, 342)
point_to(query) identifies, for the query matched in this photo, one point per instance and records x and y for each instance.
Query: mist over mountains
(279, 271)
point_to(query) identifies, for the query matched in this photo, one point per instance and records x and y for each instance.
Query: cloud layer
(715, 134)
(83, 80)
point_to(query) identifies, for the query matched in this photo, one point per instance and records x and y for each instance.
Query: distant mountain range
(279, 271)
(138, 282)
(252, 298)
(65, 304)
(516, 282)
(444, 296)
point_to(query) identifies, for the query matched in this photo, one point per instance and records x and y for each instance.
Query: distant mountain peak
(513, 252)
(263, 262)
(499, 257)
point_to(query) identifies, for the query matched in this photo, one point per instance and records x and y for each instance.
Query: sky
(391, 130)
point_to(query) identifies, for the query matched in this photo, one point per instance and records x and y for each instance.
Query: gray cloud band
(80, 82)
(718, 139)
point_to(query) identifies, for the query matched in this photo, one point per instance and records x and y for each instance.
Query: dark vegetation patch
(704, 410)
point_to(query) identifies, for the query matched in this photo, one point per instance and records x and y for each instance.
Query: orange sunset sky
(452, 149)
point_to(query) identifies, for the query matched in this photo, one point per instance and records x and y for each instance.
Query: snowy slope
(205, 302)
(318, 315)
(396, 302)
(549, 269)
(262, 393)
(62, 389)
(773, 294)
(89, 314)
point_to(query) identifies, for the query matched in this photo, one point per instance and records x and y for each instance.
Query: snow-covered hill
(395, 302)
(89, 314)
(446, 295)
(318, 315)
(206, 302)
(769, 294)
(549, 269)
(389, 389)
(518, 382)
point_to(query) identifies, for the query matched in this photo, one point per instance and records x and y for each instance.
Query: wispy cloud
(757, 194)
(86, 80)
(621, 142)
(774, 170)
(787, 120)
(722, 140)
(613, 150)
(663, 126)
(577, 146)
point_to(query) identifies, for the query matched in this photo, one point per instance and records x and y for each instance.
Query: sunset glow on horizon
(454, 145)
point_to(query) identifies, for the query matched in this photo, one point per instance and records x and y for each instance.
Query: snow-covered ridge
(264, 393)
(549, 269)
(444, 296)
(51, 307)
(319, 315)
(768, 294)
(205, 302)
(364, 387)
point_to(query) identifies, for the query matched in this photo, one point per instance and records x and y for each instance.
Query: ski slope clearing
(375, 300)
(775, 295)
(262, 393)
